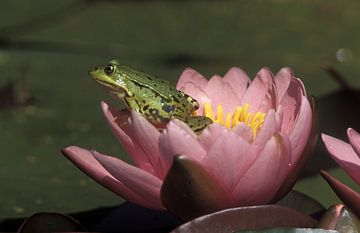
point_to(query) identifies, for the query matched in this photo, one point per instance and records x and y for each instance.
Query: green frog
(153, 98)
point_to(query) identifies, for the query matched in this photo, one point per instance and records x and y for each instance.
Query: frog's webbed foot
(198, 123)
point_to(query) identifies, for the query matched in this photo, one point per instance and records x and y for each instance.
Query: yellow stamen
(241, 115)
(228, 120)
(219, 115)
(208, 110)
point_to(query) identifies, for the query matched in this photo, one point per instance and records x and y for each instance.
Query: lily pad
(289, 230)
(50, 222)
(246, 218)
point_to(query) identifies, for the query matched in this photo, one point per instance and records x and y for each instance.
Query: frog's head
(110, 76)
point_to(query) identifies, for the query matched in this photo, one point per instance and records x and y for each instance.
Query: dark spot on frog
(163, 100)
(168, 108)
(149, 78)
(175, 99)
(146, 107)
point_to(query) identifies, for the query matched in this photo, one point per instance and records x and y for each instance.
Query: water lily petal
(258, 90)
(209, 135)
(220, 92)
(228, 158)
(282, 81)
(118, 122)
(301, 131)
(349, 196)
(176, 139)
(147, 137)
(296, 168)
(344, 155)
(141, 182)
(238, 81)
(86, 162)
(192, 76)
(354, 138)
(268, 129)
(244, 131)
(291, 103)
(269, 170)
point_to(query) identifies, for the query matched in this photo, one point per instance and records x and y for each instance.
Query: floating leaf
(50, 222)
(244, 218)
(288, 230)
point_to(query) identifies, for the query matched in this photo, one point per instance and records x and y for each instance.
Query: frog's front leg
(198, 123)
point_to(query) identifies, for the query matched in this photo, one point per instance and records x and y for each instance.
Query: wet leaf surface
(255, 217)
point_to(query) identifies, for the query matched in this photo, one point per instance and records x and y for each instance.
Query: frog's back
(160, 86)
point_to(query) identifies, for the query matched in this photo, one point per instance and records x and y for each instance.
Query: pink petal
(220, 92)
(301, 131)
(179, 139)
(147, 137)
(209, 135)
(344, 155)
(244, 131)
(261, 182)
(291, 102)
(258, 90)
(238, 81)
(118, 122)
(85, 161)
(354, 138)
(190, 75)
(228, 159)
(197, 93)
(270, 100)
(282, 81)
(141, 182)
(268, 129)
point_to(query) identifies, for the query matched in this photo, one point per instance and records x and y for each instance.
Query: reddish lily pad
(246, 218)
(339, 218)
(350, 197)
(188, 191)
(50, 222)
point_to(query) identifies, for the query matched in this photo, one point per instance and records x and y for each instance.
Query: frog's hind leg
(198, 123)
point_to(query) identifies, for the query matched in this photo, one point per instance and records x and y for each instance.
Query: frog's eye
(109, 69)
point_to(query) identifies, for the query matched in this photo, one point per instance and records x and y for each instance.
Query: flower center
(241, 115)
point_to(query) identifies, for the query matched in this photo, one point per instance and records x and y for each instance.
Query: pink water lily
(347, 155)
(250, 155)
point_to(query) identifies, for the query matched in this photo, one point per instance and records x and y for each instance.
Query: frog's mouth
(114, 90)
